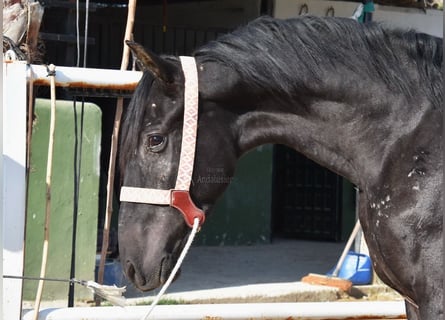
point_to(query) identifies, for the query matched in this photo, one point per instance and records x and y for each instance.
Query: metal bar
(65, 38)
(72, 5)
(302, 311)
(36, 278)
(70, 77)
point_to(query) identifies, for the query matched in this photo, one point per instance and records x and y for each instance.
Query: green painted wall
(59, 258)
(242, 216)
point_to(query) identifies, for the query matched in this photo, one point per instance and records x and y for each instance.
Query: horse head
(151, 237)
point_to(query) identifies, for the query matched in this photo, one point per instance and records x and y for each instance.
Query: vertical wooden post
(49, 167)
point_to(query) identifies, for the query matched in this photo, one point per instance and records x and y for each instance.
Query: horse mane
(276, 56)
(280, 55)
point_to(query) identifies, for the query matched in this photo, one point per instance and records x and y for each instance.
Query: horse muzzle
(153, 279)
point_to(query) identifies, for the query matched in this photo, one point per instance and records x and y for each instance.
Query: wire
(85, 43)
(78, 142)
(78, 139)
(77, 34)
(36, 278)
(111, 293)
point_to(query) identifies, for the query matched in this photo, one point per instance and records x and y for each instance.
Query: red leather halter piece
(181, 200)
(179, 196)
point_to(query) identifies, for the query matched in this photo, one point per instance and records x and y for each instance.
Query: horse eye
(155, 142)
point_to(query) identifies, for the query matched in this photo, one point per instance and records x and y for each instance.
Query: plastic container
(357, 268)
(113, 274)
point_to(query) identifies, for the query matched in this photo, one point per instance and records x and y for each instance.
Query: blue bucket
(113, 274)
(356, 267)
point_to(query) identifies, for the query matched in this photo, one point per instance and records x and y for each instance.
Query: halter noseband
(179, 197)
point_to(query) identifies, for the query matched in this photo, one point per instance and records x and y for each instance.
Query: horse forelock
(133, 120)
(279, 55)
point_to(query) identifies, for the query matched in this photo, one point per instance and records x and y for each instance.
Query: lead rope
(181, 258)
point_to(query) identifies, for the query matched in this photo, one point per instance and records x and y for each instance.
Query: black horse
(364, 101)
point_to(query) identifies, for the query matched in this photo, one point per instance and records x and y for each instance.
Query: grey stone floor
(282, 261)
(257, 273)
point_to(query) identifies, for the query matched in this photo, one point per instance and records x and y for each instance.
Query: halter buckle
(181, 200)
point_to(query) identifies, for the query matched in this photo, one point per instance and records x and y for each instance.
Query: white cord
(85, 34)
(77, 35)
(175, 269)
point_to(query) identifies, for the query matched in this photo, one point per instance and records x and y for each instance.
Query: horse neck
(349, 126)
(354, 137)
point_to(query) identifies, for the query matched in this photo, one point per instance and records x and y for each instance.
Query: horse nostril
(130, 270)
(135, 276)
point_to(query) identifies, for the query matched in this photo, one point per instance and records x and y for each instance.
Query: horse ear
(149, 61)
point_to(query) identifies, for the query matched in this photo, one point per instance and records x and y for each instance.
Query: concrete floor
(282, 261)
(259, 273)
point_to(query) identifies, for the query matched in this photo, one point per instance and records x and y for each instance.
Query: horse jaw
(150, 243)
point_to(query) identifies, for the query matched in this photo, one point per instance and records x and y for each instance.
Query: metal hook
(304, 7)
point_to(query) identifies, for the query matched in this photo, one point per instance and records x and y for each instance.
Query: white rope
(48, 180)
(85, 34)
(77, 35)
(175, 269)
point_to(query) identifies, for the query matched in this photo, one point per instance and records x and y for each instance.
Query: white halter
(179, 197)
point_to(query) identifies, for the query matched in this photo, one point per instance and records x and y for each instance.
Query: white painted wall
(430, 22)
(13, 185)
(1, 193)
